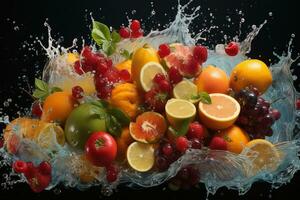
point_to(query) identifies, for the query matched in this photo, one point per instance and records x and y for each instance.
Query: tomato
(101, 149)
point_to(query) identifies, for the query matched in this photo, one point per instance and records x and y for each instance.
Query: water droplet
(270, 14)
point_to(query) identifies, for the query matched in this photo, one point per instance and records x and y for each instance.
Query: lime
(185, 90)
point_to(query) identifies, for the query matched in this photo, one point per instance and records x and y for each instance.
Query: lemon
(72, 58)
(185, 90)
(140, 156)
(178, 111)
(50, 134)
(148, 72)
(266, 156)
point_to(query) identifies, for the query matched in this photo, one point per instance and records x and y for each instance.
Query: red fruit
(174, 75)
(77, 92)
(196, 130)
(232, 49)
(101, 68)
(167, 149)
(158, 78)
(20, 166)
(45, 168)
(109, 63)
(162, 163)
(124, 32)
(36, 109)
(191, 68)
(156, 100)
(182, 144)
(104, 92)
(125, 75)
(163, 50)
(1, 143)
(165, 86)
(298, 104)
(135, 25)
(101, 149)
(111, 173)
(218, 143)
(276, 114)
(112, 76)
(86, 67)
(137, 34)
(196, 143)
(200, 53)
(77, 67)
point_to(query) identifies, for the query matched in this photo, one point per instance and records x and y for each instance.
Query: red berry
(196, 143)
(124, 32)
(196, 130)
(191, 68)
(137, 34)
(182, 144)
(200, 53)
(101, 68)
(104, 93)
(36, 109)
(174, 75)
(112, 76)
(218, 143)
(45, 168)
(232, 49)
(86, 68)
(163, 50)
(77, 67)
(20, 166)
(276, 114)
(156, 100)
(164, 86)
(109, 63)
(125, 75)
(298, 104)
(77, 92)
(161, 163)
(135, 25)
(167, 149)
(158, 78)
(111, 173)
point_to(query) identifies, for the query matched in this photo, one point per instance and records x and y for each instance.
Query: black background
(70, 19)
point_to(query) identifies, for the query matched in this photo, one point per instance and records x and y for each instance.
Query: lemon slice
(267, 157)
(221, 113)
(148, 71)
(140, 156)
(185, 90)
(49, 135)
(179, 110)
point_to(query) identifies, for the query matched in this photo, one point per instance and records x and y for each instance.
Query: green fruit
(82, 122)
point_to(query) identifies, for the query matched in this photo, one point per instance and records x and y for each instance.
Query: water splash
(223, 169)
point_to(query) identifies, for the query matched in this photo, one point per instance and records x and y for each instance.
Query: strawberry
(200, 53)
(196, 130)
(218, 143)
(191, 68)
(156, 100)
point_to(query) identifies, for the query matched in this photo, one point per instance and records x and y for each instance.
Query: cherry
(125, 75)
(20, 166)
(167, 149)
(77, 92)
(182, 144)
(232, 49)
(137, 34)
(164, 50)
(36, 109)
(195, 130)
(135, 25)
(111, 173)
(218, 143)
(45, 168)
(124, 32)
(174, 75)
(162, 163)
(200, 53)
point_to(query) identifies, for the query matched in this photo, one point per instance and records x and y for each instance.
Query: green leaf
(113, 126)
(98, 36)
(40, 94)
(41, 85)
(55, 89)
(115, 37)
(100, 103)
(109, 47)
(125, 53)
(203, 97)
(103, 32)
(122, 117)
(183, 129)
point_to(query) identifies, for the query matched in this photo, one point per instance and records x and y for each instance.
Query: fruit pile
(144, 113)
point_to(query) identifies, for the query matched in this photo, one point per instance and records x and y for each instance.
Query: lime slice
(140, 156)
(149, 70)
(179, 110)
(185, 90)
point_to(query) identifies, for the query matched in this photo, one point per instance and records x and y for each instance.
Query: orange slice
(221, 113)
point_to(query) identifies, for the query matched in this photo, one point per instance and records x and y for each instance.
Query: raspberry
(200, 53)
(182, 144)
(174, 75)
(77, 92)
(164, 50)
(77, 68)
(135, 25)
(111, 173)
(232, 49)
(124, 32)
(20, 166)
(137, 34)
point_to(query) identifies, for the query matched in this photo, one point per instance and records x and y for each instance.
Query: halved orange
(221, 113)
(148, 128)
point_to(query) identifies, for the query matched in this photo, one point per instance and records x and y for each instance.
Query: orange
(57, 107)
(123, 142)
(251, 73)
(221, 113)
(235, 138)
(149, 127)
(140, 57)
(124, 65)
(72, 58)
(212, 80)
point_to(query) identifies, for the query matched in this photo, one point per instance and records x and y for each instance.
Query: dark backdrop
(23, 21)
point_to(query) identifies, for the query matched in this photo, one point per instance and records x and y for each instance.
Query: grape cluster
(256, 116)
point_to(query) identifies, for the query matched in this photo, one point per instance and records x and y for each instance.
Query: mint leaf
(102, 30)
(41, 85)
(115, 37)
(40, 94)
(109, 47)
(122, 117)
(203, 97)
(125, 53)
(183, 129)
(113, 126)
(55, 89)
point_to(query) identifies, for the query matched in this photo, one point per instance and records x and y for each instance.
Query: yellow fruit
(235, 138)
(221, 113)
(57, 107)
(179, 110)
(140, 57)
(185, 90)
(140, 156)
(148, 72)
(251, 73)
(125, 96)
(124, 65)
(72, 58)
(266, 156)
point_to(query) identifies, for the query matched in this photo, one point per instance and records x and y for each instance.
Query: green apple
(82, 122)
